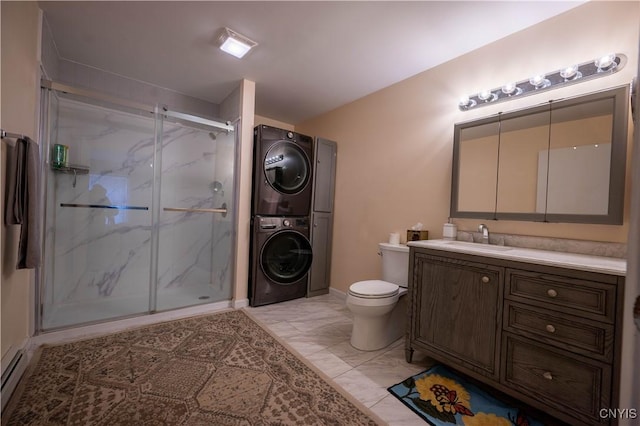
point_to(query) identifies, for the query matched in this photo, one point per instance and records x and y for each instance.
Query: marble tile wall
(194, 247)
(98, 249)
(105, 254)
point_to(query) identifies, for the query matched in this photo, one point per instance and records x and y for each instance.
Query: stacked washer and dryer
(281, 252)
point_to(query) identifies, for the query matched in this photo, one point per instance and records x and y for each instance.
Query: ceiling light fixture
(604, 65)
(234, 43)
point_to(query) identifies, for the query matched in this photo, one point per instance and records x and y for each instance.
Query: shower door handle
(222, 209)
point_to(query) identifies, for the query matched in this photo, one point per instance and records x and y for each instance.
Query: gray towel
(22, 206)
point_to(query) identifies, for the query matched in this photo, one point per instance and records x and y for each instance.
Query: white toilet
(379, 310)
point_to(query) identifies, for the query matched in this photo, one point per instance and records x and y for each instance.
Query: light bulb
(569, 73)
(605, 61)
(485, 95)
(466, 103)
(509, 88)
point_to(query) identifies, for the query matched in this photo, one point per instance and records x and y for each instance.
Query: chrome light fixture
(234, 43)
(604, 65)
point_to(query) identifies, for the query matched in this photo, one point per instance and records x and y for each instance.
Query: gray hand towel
(22, 206)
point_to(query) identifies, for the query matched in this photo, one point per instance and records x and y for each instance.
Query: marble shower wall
(105, 254)
(194, 248)
(100, 252)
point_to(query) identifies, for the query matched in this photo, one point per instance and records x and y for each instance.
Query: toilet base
(373, 331)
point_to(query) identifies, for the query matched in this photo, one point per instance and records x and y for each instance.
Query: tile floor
(319, 328)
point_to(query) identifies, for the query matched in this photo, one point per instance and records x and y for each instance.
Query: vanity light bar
(600, 67)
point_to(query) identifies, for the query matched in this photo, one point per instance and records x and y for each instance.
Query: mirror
(560, 162)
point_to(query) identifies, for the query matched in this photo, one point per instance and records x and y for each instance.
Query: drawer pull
(547, 375)
(485, 279)
(550, 328)
(552, 293)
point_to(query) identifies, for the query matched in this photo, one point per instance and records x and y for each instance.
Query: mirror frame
(617, 170)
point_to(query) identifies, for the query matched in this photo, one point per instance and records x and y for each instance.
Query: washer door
(286, 257)
(287, 168)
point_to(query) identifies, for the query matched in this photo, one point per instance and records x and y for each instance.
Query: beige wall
(395, 146)
(18, 114)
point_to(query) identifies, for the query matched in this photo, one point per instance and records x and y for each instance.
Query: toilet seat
(373, 289)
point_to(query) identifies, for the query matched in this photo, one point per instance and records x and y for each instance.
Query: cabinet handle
(550, 328)
(547, 375)
(552, 293)
(485, 279)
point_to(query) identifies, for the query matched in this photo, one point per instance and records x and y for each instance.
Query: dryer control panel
(271, 224)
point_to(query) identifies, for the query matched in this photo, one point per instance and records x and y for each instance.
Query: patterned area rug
(220, 369)
(442, 398)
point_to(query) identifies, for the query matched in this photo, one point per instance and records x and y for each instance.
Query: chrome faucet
(485, 233)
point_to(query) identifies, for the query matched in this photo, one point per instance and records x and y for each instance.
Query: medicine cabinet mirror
(564, 161)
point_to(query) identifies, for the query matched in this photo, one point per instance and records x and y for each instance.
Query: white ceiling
(312, 56)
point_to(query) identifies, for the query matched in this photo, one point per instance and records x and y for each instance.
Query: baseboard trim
(12, 374)
(240, 303)
(335, 292)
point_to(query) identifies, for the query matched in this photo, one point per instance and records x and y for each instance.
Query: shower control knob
(286, 222)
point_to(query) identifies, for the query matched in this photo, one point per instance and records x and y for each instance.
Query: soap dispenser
(449, 231)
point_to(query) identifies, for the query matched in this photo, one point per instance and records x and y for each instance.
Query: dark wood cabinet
(548, 336)
(460, 305)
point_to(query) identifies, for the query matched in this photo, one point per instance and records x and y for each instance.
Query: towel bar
(103, 206)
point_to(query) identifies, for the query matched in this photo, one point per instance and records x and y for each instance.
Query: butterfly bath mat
(442, 398)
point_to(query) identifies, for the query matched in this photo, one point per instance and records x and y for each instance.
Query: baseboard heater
(11, 375)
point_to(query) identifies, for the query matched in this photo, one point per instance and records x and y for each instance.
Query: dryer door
(287, 168)
(286, 257)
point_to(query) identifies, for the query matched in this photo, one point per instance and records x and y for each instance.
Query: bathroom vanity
(543, 327)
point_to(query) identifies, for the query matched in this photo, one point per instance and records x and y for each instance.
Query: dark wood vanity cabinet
(460, 308)
(545, 335)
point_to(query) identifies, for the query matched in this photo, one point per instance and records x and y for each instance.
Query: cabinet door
(325, 175)
(320, 273)
(459, 311)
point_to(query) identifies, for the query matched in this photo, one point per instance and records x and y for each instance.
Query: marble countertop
(607, 265)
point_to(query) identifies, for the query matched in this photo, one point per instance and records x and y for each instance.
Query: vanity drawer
(576, 296)
(574, 385)
(583, 336)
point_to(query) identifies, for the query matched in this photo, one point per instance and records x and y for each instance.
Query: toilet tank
(395, 263)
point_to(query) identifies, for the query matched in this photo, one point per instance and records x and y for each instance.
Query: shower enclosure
(141, 217)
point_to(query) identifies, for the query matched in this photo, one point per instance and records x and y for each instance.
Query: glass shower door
(194, 260)
(98, 214)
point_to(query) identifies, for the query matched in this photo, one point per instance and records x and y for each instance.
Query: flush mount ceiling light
(235, 44)
(604, 65)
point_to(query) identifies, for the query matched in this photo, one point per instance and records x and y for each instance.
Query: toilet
(378, 306)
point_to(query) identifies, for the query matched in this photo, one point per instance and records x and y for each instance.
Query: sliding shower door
(139, 218)
(98, 214)
(195, 214)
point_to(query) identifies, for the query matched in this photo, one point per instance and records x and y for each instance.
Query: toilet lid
(373, 289)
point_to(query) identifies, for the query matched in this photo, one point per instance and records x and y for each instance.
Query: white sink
(477, 246)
